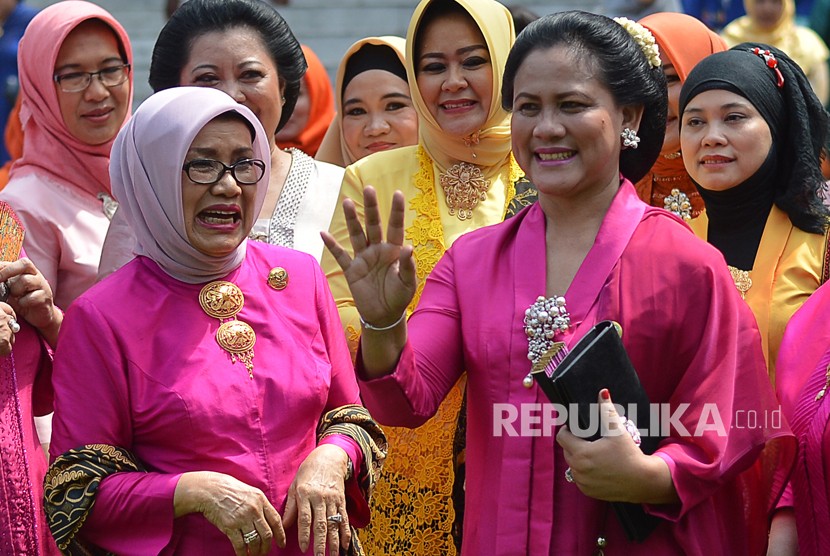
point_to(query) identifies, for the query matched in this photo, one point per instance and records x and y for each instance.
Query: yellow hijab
(493, 150)
(333, 149)
(802, 44)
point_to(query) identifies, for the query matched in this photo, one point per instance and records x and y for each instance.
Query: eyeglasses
(78, 81)
(205, 171)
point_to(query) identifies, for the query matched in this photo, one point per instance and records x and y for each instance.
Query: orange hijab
(14, 142)
(683, 41)
(321, 111)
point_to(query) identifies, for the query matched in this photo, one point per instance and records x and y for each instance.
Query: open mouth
(562, 155)
(221, 218)
(457, 105)
(715, 160)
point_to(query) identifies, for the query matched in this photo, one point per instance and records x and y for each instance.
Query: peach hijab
(48, 146)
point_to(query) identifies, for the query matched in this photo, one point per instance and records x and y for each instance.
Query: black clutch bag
(598, 361)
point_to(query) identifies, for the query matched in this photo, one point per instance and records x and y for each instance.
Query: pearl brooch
(546, 317)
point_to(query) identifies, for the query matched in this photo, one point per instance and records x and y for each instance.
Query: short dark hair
(620, 65)
(198, 17)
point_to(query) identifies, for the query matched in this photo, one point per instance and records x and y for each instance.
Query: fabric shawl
(493, 149)
(48, 146)
(334, 149)
(321, 106)
(801, 43)
(146, 173)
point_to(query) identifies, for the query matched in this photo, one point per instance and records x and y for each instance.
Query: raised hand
(381, 275)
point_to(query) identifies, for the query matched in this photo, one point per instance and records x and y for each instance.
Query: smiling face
(217, 217)
(724, 139)
(237, 62)
(566, 125)
(378, 114)
(95, 114)
(455, 74)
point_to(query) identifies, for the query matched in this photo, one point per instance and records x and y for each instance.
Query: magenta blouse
(691, 338)
(137, 366)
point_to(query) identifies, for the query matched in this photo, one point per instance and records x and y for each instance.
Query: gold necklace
(742, 279)
(223, 300)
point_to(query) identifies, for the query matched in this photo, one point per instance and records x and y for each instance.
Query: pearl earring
(630, 139)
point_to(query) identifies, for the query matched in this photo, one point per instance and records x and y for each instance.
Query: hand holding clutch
(614, 468)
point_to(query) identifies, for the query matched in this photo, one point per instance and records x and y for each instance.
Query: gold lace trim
(412, 511)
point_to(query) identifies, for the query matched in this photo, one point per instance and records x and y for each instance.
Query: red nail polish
(606, 395)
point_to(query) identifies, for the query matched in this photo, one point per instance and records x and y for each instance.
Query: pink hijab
(48, 146)
(146, 174)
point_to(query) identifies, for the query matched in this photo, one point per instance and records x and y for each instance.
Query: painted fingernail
(606, 395)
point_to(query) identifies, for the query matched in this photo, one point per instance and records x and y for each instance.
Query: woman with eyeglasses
(76, 93)
(224, 416)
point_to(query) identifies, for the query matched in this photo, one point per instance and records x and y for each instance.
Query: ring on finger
(15, 327)
(569, 476)
(248, 538)
(336, 518)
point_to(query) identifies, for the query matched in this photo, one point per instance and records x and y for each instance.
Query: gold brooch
(223, 300)
(464, 186)
(742, 280)
(278, 278)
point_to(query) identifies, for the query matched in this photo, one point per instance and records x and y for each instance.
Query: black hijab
(790, 176)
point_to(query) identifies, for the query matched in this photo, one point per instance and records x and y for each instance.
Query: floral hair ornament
(644, 38)
(771, 62)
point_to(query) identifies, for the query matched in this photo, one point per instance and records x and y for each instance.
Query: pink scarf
(146, 174)
(48, 146)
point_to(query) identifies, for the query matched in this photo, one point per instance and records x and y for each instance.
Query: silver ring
(336, 518)
(631, 428)
(569, 476)
(14, 326)
(248, 538)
